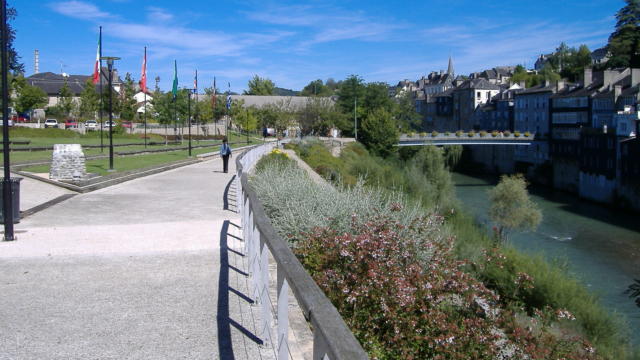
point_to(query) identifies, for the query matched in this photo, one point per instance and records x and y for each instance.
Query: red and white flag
(143, 76)
(96, 67)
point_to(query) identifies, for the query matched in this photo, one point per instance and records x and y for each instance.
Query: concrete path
(147, 269)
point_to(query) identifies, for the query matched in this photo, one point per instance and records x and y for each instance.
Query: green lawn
(133, 162)
(49, 137)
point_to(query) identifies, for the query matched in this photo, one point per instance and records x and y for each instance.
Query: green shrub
(494, 133)
(507, 133)
(516, 134)
(446, 133)
(471, 133)
(483, 133)
(527, 134)
(423, 134)
(459, 133)
(434, 133)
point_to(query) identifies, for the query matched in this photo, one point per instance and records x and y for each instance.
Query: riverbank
(600, 246)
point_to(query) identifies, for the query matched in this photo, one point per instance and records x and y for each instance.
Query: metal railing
(332, 339)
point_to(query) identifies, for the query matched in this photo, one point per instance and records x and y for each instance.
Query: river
(601, 246)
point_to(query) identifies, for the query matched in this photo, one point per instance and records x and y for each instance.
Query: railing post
(254, 261)
(283, 315)
(263, 283)
(319, 347)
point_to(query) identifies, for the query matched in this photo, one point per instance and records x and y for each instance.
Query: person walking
(225, 152)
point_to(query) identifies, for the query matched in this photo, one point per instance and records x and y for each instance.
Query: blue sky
(293, 43)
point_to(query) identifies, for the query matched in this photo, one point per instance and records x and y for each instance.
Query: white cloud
(158, 15)
(79, 9)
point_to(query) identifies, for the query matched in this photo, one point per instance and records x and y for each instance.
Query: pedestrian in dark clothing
(225, 152)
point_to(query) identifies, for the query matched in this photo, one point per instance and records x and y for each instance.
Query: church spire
(450, 68)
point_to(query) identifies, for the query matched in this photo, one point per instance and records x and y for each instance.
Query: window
(479, 95)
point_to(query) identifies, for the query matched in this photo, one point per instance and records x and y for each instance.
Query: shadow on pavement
(224, 322)
(226, 194)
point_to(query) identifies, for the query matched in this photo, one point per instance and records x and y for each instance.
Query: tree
(29, 98)
(624, 42)
(260, 86)
(316, 88)
(15, 65)
(128, 104)
(511, 208)
(65, 99)
(379, 133)
(350, 89)
(246, 118)
(89, 100)
(318, 116)
(405, 113)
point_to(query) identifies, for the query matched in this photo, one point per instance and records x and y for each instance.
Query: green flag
(175, 80)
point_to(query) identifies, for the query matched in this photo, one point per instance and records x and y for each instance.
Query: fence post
(263, 283)
(283, 315)
(319, 347)
(254, 261)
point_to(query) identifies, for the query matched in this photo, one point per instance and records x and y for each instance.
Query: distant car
(50, 123)
(127, 124)
(70, 123)
(91, 125)
(109, 123)
(23, 118)
(9, 120)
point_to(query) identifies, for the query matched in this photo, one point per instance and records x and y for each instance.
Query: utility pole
(7, 203)
(355, 117)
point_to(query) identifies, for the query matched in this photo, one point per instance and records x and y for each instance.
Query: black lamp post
(7, 206)
(110, 60)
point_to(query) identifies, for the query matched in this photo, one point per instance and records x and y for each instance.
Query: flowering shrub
(405, 296)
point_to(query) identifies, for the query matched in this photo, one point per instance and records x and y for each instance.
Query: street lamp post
(110, 60)
(7, 203)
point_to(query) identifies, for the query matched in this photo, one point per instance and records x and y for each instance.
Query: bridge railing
(332, 339)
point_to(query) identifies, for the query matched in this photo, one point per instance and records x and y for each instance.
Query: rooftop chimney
(588, 76)
(523, 84)
(617, 91)
(560, 84)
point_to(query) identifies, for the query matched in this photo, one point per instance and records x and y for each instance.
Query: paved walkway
(147, 269)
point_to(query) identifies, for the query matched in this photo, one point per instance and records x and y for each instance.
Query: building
(52, 83)
(531, 113)
(467, 100)
(600, 56)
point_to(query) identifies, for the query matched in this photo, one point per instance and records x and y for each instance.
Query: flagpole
(101, 95)
(145, 97)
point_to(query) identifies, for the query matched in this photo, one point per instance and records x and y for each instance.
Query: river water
(601, 246)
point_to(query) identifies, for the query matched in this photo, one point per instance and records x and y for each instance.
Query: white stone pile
(67, 163)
